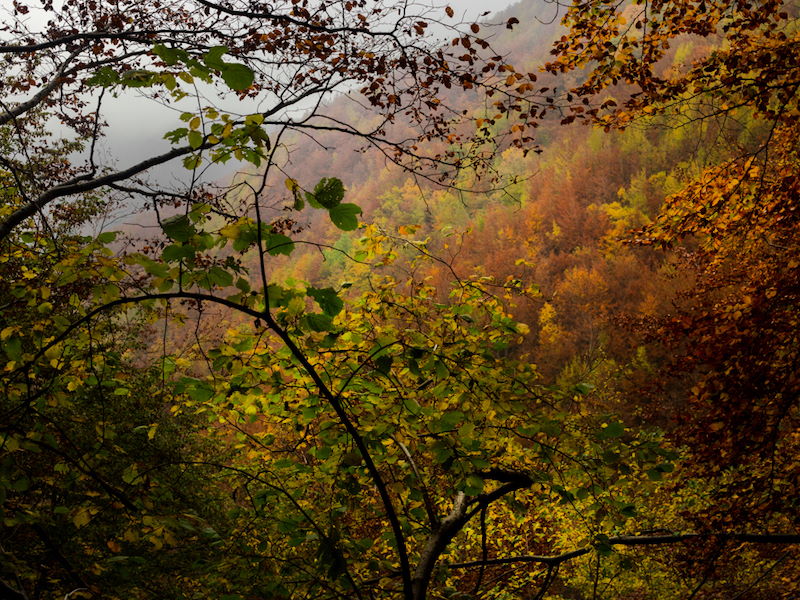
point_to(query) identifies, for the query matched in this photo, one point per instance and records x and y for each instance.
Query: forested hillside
(497, 310)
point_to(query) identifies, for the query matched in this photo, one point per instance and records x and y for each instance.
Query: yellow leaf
(230, 231)
(82, 517)
(130, 535)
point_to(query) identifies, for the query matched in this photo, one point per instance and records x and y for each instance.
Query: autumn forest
(398, 301)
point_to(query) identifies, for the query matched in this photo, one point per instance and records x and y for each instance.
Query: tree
(735, 217)
(117, 467)
(350, 440)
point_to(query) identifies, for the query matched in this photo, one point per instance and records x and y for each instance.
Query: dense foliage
(579, 384)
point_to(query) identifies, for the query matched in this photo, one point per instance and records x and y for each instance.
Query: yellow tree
(734, 333)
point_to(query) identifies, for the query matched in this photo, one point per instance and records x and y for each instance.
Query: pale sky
(475, 7)
(136, 124)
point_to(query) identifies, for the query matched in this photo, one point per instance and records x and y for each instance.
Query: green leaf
(13, 348)
(177, 252)
(309, 413)
(473, 485)
(195, 139)
(612, 430)
(345, 216)
(213, 58)
(413, 367)
(655, 474)
(171, 56)
(192, 161)
(220, 277)
(442, 372)
(107, 237)
(328, 193)
(156, 269)
(254, 119)
(610, 458)
(246, 235)
(178, 228)
(328, 300)
(176, 135)
(442, 453)
(277, 295)
(319, 322)
(105, 76)
(550, 427)
(137, 78)
(237, 76)
(277, 243)
(604, 548)
(199, 391)
(449, 421)
(584, 388)
(384, 364)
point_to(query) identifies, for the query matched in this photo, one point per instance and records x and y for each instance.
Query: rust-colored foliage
(736, 331)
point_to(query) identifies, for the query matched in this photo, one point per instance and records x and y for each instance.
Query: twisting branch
(383, 490)
(6, 591)
(333, 400)
(309, 25)
(144, 36)
(634, 540)
(550, 576)
(463, 510)
(81, 184)
(23, 107)
(430, 508)
(436, 544)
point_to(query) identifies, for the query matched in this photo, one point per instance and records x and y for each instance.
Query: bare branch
(24, 107)
(81, 184)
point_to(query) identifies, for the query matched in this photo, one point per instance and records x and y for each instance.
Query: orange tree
(734, 333)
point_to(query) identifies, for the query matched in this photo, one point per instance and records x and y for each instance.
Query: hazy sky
(136, 124)
(475, 7)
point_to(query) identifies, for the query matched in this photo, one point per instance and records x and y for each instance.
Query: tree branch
(633, 540)
(293, 21)
(24, 107)
(330, 397)
(79, 185)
